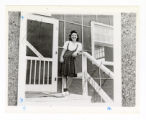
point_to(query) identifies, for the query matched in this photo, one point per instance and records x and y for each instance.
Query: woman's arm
(78, 51)
(61, 56)
(63, 51)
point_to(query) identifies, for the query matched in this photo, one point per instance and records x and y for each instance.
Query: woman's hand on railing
(79, 53)
(75, 54)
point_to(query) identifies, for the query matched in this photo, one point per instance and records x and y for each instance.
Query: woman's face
(74, 36)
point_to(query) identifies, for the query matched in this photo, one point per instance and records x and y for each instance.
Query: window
(102, 38)
(99, 52)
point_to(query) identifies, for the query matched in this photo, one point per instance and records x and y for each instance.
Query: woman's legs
(69, 81)
(63, 83)
(66, 82)
(64, 86)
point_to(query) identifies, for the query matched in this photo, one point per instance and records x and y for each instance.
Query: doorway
(38, 56)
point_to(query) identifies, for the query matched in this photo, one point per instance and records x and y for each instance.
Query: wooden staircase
(79, 89)
(74, 98)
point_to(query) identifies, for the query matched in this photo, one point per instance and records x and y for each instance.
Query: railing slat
(39, 71)
(44, 73)
(48, 74)
(30, 72)
(35, 73)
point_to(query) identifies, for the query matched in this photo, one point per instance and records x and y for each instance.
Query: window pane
(40, 35)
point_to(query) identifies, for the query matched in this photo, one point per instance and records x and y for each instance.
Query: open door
(38, 55)
(102, 41)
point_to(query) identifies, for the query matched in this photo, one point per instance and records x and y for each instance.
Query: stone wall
(13, 56)
(128, 58)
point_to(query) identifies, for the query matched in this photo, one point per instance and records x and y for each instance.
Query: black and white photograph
(71, 58)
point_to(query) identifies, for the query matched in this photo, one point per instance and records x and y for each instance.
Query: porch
(83, 91)
(39, 71)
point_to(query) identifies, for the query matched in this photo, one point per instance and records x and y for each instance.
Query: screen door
(41, 49)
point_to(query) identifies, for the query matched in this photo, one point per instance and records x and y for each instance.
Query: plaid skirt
(68, 67)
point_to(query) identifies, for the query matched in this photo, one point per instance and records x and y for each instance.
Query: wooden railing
(87, 78)
(38, 74)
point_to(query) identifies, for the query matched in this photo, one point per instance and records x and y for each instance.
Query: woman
(71, 49)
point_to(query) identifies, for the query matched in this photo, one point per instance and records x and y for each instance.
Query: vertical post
(48, 74)
(30, 72)
(39, 72)
(84, 75)
(44, 73)
(35, 73)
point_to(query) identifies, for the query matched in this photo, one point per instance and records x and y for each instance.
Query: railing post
(84, 75)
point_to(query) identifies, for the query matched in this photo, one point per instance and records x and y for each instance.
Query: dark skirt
(68, 67)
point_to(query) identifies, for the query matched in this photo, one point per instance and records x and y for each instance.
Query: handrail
(99, 64)
(87, 78)
(98, 89)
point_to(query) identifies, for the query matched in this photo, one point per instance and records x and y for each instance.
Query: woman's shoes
(65, 92)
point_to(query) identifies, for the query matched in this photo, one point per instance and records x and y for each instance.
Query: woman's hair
(73, 31)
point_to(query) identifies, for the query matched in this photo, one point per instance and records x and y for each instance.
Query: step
(59, 100)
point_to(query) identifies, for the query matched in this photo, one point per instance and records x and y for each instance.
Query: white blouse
(72, 46)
